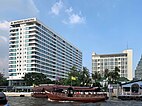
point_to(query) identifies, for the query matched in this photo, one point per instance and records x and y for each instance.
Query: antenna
(127, 45)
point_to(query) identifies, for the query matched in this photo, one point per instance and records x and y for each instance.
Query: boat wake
(59, 101)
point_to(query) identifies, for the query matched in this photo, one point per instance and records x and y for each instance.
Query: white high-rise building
(33, 47)
(123, 61)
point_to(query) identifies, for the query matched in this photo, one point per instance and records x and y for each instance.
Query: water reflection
(30, 101)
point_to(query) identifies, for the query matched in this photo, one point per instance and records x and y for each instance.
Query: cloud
(32, 7)
(3, 38)
(73, 18)
(24, 8)
(76, 19)
(4, 31)
(69, 10)
(56, 8)
(4, 66)
(4, 25)
(3, 61)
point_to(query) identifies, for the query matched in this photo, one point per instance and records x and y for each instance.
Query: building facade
(123, 61)
(138, 71)
(33, 47)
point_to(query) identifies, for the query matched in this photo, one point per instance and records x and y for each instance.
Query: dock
(130, 97)
(18, 94)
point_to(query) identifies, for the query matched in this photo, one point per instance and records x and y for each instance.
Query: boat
(39, 92)
(80, 98)
(39, 95)
(69, 93)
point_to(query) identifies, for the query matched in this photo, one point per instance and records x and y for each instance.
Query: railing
(131, 93)
(80, 95)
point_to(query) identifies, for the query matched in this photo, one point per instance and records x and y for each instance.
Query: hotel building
(123, 61)
(34, 47)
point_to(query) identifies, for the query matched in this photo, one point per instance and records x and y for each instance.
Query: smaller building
(101, 62)
(131, 90)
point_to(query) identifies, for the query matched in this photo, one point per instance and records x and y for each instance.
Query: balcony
(12, 50)
(13, 46)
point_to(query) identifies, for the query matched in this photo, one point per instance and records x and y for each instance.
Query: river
(30, 101)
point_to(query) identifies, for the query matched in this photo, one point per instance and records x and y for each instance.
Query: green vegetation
(123, 79)
(78, 78)
(84, 77)
(3, 81)
(36, 79)
(96, 77)
(113, 76)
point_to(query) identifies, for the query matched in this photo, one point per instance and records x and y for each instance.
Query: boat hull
(39, 95)
(79, 98)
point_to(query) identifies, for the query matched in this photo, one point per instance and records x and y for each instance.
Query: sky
(101, 26)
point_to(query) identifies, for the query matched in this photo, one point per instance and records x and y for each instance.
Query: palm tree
(84, 77)
(114, 76)
(110, 76)
(106, 73)
(73, 74)
(96, 76)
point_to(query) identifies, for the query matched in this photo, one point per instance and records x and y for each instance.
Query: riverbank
(18, 94)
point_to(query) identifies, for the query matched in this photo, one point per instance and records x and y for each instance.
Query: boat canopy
(57, 87)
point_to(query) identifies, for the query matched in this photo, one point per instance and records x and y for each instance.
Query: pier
(18, 94)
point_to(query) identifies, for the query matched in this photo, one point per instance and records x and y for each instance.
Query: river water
(30, 101)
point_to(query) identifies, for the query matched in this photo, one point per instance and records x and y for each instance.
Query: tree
(61, 81)
(36, 78)
(84, 77)
(74, 73)
(121, 79)
(116, 74)
(81, 77)
(3, 81)
(113, 76)
(68, 81)
(96, 76)
(110, 77)
(106, 73)
(76, 77)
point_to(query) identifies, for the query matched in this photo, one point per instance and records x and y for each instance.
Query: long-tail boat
(68, 93)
